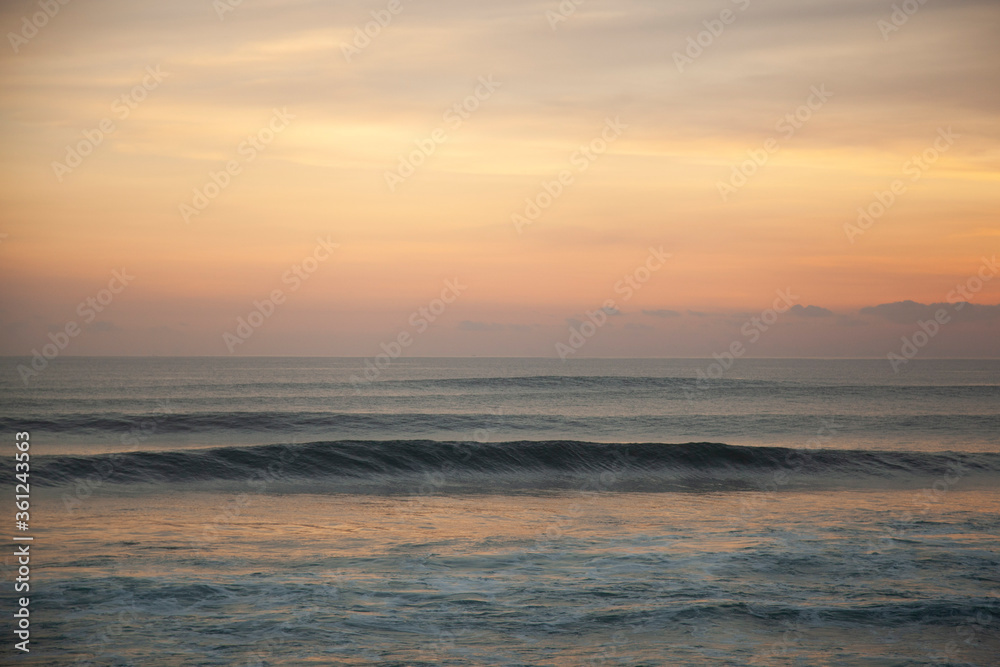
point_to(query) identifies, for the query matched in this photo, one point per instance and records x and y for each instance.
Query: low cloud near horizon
(969, 330)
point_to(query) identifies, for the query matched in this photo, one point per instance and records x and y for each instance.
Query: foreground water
(544, 579)
(451, 513)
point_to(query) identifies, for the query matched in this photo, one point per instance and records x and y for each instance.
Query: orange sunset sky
(643, 108)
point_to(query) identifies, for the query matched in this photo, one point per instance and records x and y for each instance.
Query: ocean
(298, 511)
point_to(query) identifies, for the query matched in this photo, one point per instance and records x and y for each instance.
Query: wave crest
(522, 464)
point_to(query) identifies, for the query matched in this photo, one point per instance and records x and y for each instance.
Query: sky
(527, 178)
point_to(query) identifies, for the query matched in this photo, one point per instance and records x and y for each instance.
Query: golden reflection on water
(361, 526)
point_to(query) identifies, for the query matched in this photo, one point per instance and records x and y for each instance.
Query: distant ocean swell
(116, 424)
(538, 465)
(666, 386)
